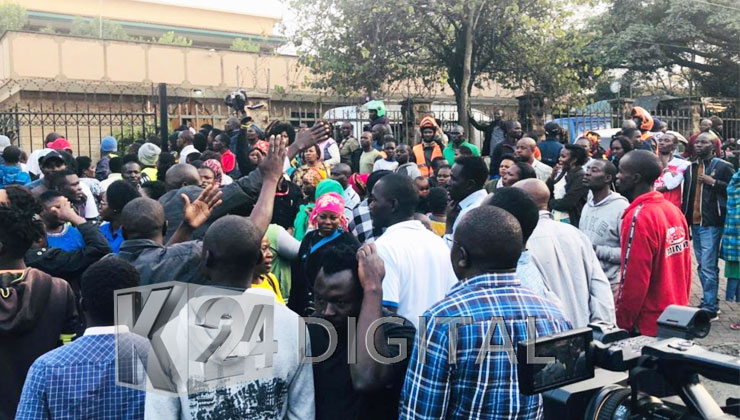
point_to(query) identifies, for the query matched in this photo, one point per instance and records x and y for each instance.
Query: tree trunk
(463, 94)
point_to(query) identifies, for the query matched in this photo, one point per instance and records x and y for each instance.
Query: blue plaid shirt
(731, 234)
(464, 389)
(77, 381)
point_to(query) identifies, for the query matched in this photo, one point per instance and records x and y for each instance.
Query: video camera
(237, 100)
(584, 376)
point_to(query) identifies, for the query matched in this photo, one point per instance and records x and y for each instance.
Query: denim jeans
(706, 249)
(733, 290)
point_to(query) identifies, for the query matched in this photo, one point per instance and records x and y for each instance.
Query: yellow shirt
(439, 228)
(271, 283)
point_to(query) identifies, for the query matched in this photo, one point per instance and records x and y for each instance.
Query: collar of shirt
(110, 329)
(409, 224)
(473, 199)
(545, 214)
(488, 280)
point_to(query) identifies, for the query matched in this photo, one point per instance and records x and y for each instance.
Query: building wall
(162, 14)
(25, 55)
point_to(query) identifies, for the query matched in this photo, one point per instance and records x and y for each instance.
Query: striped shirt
(460, 388)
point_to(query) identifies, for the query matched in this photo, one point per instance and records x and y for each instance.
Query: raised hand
(307, 138)
(371, 268)
(66, 213)
(197, 212)
(271, 166)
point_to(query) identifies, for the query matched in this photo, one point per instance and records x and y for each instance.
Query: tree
(369, 46)
(358, 47)
(12, 17)
(653, 35)
(245, 45)
(92, 28)
(172, 39)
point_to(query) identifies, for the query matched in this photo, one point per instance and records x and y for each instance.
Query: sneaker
(713, 316)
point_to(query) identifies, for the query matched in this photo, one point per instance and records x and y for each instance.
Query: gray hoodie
(602, 223)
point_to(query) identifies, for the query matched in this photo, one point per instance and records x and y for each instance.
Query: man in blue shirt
(472, 381)
(550, 148)
(59, 232)
(78, 380)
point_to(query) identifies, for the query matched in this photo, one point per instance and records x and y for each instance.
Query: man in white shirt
(467, 178)
(418, 271)
(525, 152)
(389, 163)
(568, 263)
(185, 142)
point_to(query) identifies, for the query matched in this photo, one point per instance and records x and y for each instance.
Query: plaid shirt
(731, 234)
(77, 381)
(361, 224)
(464, 389)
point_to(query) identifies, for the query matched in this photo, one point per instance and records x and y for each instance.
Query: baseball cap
(51, 156)
(60, 144)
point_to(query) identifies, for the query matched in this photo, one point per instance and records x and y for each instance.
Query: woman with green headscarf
(328, 185)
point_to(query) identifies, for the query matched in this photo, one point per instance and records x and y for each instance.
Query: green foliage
(245, 45)
(649, 36)
(365, 47)
(172, 39)
(12, 17)
(91, 28)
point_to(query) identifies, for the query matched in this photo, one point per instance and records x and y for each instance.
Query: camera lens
(605, 404)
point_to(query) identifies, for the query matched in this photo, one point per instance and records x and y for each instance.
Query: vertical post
(163, 116)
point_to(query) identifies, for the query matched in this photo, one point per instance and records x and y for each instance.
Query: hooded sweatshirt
(601, 222)
(657, 271)
(35, 310)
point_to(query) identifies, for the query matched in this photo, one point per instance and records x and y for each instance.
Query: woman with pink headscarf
(329, 230)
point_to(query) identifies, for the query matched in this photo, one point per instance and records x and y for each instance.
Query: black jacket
(238, 198)
(713, 198)
(576, 193)
(70, 265)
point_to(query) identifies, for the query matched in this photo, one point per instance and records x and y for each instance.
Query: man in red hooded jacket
(656, 258)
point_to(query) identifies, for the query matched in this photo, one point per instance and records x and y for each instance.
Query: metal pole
(163, 120)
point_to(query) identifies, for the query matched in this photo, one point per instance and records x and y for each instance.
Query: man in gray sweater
(602, 216)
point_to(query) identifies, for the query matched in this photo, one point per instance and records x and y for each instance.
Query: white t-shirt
(384, 165)
(418, 270)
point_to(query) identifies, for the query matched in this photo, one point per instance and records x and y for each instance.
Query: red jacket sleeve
(637, 275)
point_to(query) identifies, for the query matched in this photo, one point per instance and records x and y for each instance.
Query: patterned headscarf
(359, 183)
(215, 166)
(329, 202)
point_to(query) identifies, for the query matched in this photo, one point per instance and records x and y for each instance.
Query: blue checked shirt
(731, 235)
(77, 381)
(461, 388)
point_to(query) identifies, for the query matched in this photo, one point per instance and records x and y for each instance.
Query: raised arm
(368, 374)
(271, 168)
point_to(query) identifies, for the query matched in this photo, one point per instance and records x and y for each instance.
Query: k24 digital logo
(184, 338)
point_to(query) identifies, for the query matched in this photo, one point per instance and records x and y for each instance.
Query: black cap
(51, 155)
(552, 128)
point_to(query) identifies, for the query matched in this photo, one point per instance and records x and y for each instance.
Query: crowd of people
(351, 231)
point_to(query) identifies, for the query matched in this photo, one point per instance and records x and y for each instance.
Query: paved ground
(721, 338)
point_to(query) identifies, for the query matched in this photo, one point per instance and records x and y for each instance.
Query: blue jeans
(706, 249)
(733, 290)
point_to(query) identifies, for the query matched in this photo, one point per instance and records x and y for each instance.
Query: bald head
(180, 175)
(524, 149)
(537, 190)
(143, 218)
(481, 233)
(232, 244)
